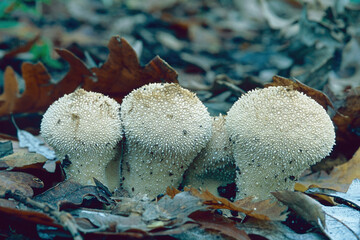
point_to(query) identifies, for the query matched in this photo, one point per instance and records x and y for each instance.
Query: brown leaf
(225, 226)
(303, 205)
(11, 90)
(122, 73)
(28, 217)
(22, 49)
(118, 76)
(317, 95)
(340, 177)
(21, 159)
(302, 188)
(171, 191)
(20, 181)
(347, 120)
(77, 74)
(37, 81)
(263, 210)
(70, 192)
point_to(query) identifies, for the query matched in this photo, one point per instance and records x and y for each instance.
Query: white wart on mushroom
(86, 127)
(165, 127)
(276, 133)
(215, 165)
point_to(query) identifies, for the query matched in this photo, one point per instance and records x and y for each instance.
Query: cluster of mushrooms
(162, 135)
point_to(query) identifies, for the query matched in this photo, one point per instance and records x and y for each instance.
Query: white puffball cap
(276, 133)
(165, 127)
(165, 119)
(86, 126)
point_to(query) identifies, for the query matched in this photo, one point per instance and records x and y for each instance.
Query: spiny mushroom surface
(276, 133)
(215, 165)
(165, 127)
(86, 127)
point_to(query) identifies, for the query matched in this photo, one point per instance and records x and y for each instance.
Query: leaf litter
(302, 42)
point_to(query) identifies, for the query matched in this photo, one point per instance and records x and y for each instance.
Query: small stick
(65, 219)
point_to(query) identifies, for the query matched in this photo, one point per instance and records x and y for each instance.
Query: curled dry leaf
(303, 205)
(317, 95)
(118, 76)
(263, 210)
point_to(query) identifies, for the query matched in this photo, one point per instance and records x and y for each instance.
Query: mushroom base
(105, 167)
(151, 174)
(211, 179)
(261, 182)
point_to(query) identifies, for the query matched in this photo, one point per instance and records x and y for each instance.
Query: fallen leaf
(171, 191)
(350, 198)
(218, 223)
(263, 210)
(317, 95)
(8, 97)
(274, 230)
(342, 222)
(26, 217)
(6, 148)
(347, 121)
(303, 205)
(21, 159)
(71, 193)
(118, 76)
(122, 71)
(21, 49)
(34, 144)
(302, 188)
(19, 181)
(340, 177)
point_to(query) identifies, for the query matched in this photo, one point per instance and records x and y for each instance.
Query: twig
(65, 219)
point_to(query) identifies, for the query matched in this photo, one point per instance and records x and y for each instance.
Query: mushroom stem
(215, 165)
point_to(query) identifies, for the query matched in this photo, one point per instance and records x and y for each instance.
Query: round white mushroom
(215, 165)
(86, 127)
(276, 133)
(165, 127)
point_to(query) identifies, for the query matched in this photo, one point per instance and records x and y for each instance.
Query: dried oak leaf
(263, 210)
(21, 49)
(21, 159)
(218, 223)
(20, 181)
(71, 193)
(122, 73)
(317, 95)
(39, 91)
(347, 120)
(118, 76)
(28, 216)
(340, 177)
(171, 191)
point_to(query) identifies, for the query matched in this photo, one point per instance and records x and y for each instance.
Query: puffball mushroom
(276, 133)
(215, 165)
(86, 127)
(165, 127)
